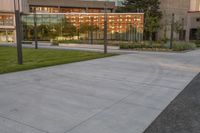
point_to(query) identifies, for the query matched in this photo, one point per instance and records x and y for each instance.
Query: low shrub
(197, 42)
(144, 45)
(181, 46)
(177, 46)
(159, 45)
(70, 41)
(124, 46)
(55, 43)
(27, 42)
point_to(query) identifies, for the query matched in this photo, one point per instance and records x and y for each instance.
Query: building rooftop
(72, 3)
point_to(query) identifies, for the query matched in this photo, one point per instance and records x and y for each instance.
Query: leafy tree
(85, 27)
(52, 30)
(147, 6)
(28, 31)
(44, 32)
(178, 27)
(151, 8)
(198, 34)
(67, 28)
(151, 26)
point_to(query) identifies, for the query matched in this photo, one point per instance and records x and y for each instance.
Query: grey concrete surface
(78, 47)
(121, 94)
(183, 113)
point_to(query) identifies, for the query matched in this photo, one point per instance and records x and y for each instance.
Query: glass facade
(84, 26)
(6, 20)
(6, 35)
(6, 27)
(43, 9)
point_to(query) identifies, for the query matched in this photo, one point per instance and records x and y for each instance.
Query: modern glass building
(7, 27)
(84, 26)
(69, 20)
(119, 25)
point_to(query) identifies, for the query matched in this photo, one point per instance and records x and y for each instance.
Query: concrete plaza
(120, 94)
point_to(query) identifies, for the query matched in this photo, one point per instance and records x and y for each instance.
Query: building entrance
(6, 35)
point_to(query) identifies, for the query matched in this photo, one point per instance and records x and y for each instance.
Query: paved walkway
(121, 94)
(82, 47)
(183, 113)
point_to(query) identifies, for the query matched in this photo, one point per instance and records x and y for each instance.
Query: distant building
(193, 20)
(76, 12)
(187, 13)
(67, 6)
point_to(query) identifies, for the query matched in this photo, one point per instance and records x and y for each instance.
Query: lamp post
(172, 32)
(18, 31)
(35, 29)
(182, 30)
(105, 28)
(92, 30)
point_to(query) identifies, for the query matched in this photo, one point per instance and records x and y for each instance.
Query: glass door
(6, 35)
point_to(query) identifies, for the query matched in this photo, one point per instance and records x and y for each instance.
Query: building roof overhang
(72, 3)
(193, 11)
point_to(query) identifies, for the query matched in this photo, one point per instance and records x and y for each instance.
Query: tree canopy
(150, 6)
(198, 33)
(151, 9)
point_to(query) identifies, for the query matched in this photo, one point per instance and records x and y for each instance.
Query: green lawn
(41, 58)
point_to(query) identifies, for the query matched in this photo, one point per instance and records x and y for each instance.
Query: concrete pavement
(78, 47)
(182, 114)
(121, 94)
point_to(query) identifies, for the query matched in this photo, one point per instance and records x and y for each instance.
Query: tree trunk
(150, 38)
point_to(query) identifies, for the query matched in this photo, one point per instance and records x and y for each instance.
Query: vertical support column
(18, 37)
(92, 30)
(188, 28)
(182, 30)
(35, 29)
(172, 32)
(6, 35)
(105, 29)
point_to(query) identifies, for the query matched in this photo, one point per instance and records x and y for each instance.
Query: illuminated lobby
(83, 20)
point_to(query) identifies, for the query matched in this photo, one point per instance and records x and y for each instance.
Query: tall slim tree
(198, 34)
(151, 8)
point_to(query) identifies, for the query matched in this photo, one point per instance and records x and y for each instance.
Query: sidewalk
(86, 47)
(120, 94)
(182, 115)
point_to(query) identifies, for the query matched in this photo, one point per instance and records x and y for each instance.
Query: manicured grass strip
(41, 58)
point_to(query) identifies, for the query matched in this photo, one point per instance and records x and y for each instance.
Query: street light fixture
(35, 29)
(182, 30)
(105, 28)
(18, 31)
(172, 32)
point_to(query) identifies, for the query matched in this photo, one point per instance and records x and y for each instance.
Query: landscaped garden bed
(146, 46)
(197, 42)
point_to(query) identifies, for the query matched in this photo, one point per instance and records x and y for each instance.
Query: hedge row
(177, 46)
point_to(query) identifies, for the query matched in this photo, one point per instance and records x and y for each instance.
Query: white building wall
(117, 2)
(180, 8)
(194, 5)
(6, 6)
